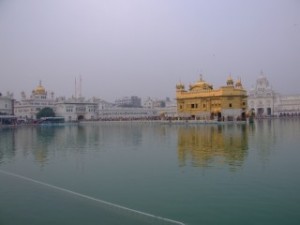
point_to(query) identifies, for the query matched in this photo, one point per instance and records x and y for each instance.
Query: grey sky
(138, 47)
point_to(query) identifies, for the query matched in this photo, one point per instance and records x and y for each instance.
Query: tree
(45, 112)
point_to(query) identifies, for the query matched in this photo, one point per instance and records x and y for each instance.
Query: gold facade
(201, 101)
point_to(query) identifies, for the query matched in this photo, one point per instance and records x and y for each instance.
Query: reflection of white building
(6, 104)
(264, 101)
(27, 108)
(75, 109)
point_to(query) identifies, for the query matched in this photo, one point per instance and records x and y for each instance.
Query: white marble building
(148, 103)
(265, 102)
(6, 104)
(261, 98)
(75, 109)
(126, 113)
(170, 110)
(287, 105)
(27, 108)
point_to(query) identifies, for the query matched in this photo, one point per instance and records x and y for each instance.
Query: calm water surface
(204, 174)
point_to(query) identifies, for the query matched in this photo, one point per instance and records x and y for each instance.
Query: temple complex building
(129, 102)
(263, 101)
(76, 109)
(287, 105)
(6, 104)
(6, 109)
(202, 102)
(27, 108)
(127, 113)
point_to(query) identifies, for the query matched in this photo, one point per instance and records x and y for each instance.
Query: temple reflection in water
(204, 146)
(199, 146)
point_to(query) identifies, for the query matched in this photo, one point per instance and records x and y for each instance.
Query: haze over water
(204, 174)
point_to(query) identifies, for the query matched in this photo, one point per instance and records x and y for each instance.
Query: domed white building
(27, 108)
(262, 98)
(265, 102)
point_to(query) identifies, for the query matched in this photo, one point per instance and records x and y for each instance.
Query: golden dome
(201, 85)
(40, 89)
(180, 86)
(230, 81)
(238, 84)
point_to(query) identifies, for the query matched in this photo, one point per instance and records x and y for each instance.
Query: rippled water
(197, 174)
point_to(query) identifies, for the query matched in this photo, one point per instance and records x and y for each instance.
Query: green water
(204, 174)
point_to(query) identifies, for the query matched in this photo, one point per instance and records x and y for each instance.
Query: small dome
(238, 84)
(180, 86)
(40, 89)
(230, 81)
(262, 81)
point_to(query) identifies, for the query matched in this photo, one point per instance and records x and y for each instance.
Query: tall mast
(75, 89)
(80, 86)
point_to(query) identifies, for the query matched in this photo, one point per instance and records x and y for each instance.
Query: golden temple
(201, 101)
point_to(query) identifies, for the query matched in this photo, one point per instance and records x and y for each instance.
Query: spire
(180, 86)
(75, 89)
(238, 83)
(201, 77)
(80, 86)
(230, 81)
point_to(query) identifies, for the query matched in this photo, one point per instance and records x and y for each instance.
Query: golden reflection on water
(210, 145)
(199, 146)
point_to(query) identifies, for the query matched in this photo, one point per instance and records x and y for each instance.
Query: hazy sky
(144, 47)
